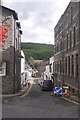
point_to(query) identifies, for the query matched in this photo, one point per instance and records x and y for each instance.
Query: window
(65, 65)
(67, 41)
(61, 46)
(16, 44)
(69, 65)
(57, 67)
(70, 39)
(53, 66)
(77, 64)
(71, 14)
(60, 67)
(50, 67)
(2, 68)
(74, 37)
(72, 65)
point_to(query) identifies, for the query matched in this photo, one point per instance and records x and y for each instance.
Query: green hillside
(38, 51)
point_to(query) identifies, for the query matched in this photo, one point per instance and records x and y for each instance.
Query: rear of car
(47, 85)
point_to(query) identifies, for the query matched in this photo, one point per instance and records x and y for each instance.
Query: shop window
(2, 69)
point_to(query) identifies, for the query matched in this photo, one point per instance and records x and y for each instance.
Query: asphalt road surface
(38, 104)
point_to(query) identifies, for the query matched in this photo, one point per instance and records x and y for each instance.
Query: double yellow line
(69, 100)
(27, 91)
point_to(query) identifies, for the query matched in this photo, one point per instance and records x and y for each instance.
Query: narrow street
(38, 104)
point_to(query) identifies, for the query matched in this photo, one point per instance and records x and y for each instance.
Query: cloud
(38, 18)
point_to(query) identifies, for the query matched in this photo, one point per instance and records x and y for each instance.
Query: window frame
(3, 67)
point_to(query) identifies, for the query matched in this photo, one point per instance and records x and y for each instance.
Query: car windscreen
(47, 82)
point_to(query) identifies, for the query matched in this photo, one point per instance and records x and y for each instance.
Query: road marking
(27, 91)
(71, 101)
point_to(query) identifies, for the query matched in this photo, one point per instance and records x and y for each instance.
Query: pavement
(73, 99)
(20, 93)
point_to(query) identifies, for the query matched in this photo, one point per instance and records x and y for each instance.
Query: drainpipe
(63, 81)
(79, 60)
(14, 61)
(79, 54)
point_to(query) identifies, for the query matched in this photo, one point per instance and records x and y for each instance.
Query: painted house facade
(67, 51)
(42, 67)
(49, 69)
(23, 68)
(51, 66)
(10, 51)
(47, 72)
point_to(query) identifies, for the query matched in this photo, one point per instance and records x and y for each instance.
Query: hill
(37, 51)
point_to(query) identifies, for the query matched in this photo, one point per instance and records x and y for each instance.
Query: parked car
(47, 85)
(40, 82)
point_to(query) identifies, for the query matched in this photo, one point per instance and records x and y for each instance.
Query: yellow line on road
(62, 97)
(27, 91)
(71, 101)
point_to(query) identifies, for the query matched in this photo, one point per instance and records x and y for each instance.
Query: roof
(13, 11)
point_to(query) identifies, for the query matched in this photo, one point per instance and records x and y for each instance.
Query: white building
(45, 75)
(28, 73)
(49, 69)
(51, 64)
(23, 77)
(47, 72)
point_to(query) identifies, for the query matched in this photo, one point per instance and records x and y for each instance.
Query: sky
(38, 18)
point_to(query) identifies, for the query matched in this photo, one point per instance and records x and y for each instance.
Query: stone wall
(11, 81)
(66, 47)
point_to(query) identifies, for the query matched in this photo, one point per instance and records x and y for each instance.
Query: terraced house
(10, 51)
(67, 48)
